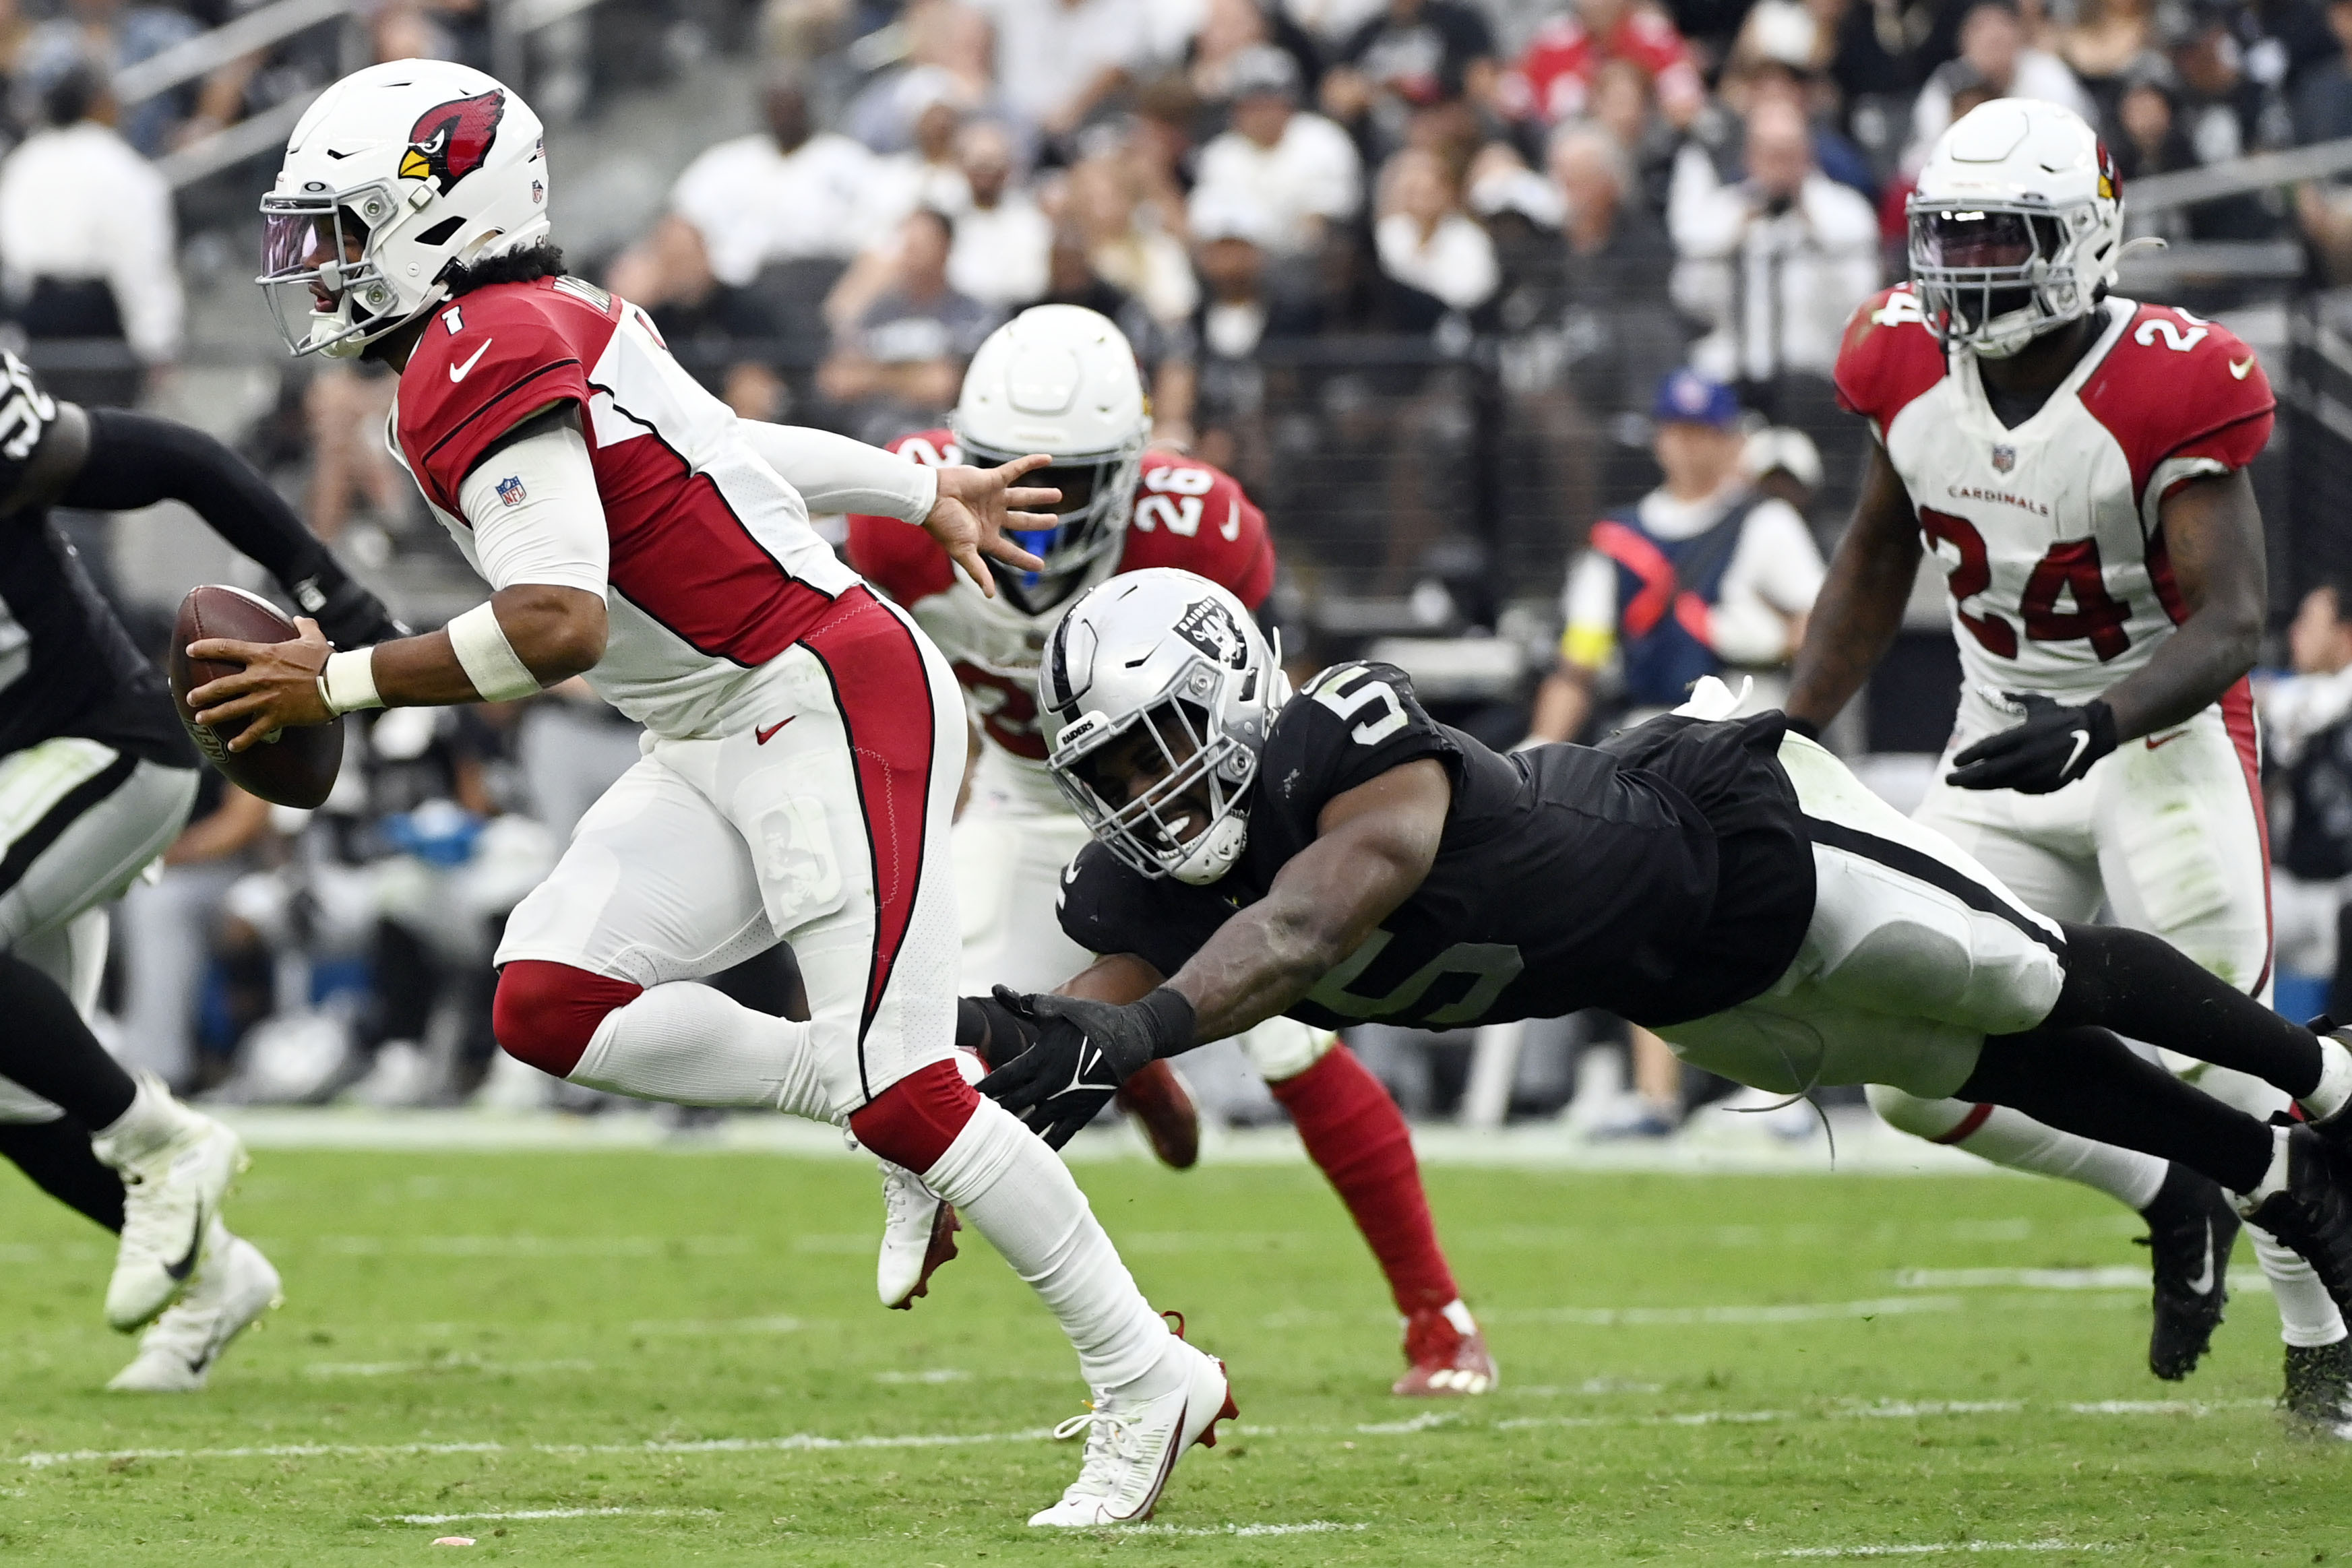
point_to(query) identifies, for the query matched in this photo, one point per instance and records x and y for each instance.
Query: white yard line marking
(1924, 1549)
(717, 1326)
(2167, 1407)
(544, 1513)
(1790, 1313)
(518, 1246)
(2117, 1277)
(797, 1442)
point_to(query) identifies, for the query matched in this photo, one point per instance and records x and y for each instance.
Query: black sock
(56, 1155)
(46, 1047)
(2086, 1082)
(2142, 985)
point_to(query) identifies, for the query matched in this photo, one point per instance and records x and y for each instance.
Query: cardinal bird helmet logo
(452, 140)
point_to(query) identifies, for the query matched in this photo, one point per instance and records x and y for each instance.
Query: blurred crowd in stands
(1421, 273)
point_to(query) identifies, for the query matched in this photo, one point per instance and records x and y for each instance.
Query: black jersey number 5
(1372, 692)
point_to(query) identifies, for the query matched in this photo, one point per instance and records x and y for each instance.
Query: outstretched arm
(1861, 606)
(132, 460)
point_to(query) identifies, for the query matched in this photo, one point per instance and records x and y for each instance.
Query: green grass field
(1697, 1369)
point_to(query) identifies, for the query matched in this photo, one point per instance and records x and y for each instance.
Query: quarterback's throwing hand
(2056, 746)
(1084, 1051)
(975, 508)
(276, 689)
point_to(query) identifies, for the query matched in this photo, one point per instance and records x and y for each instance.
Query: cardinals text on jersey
(1187, 514)
(2051, 532)
(714, 569)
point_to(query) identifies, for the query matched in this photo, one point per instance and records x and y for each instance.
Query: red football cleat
(1448, 1356)
(1161, 1104)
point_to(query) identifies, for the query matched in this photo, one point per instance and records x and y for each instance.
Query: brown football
(292, 767)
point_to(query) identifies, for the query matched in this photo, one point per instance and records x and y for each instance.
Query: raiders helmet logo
(2004, 458)
(1209, 626)
(452, 140)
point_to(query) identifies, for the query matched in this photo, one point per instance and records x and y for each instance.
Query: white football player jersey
(2050, 533)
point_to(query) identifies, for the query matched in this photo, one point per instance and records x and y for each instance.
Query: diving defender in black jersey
(96, 780)
(1338, 856)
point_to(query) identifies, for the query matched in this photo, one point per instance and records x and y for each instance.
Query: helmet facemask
(1192, 821)
(1992, 276)
(1098, 497)
(321, 271)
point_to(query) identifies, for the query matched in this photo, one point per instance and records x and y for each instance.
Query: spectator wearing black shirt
(1416, 59)
(2323, 97)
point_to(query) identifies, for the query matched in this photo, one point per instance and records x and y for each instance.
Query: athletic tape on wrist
(348, 683)
(489, 659)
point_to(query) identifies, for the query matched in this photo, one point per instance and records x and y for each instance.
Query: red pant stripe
(2238, 716)
(1968, 1125)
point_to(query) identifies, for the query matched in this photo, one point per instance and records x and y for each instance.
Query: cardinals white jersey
(2050, 532)
(713, 570)
(1187, 514)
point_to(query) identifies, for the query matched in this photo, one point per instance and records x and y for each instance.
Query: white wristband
(348, 683)
(488, 658)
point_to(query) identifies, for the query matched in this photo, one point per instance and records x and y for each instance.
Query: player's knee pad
(912, 1122)
(1934, 1120)
(545, 1014)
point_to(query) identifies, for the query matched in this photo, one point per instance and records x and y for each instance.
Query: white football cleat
(918, 1235)
(171, 1191)
(1132, 1445)
(235, 1284)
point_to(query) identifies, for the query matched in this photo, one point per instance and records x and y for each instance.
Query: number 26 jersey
(2049, 533)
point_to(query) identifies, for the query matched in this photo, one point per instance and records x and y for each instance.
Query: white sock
(2307, 1314)
(689, 1044)
(2334, 1089)
(1017, 1193)
(2273, 1179)
(152, 1120)
(2015, 1139)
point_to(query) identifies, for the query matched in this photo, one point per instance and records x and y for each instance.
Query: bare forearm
(1563, 703)
(1258, 964)
(2188, 673)
(557, 632)
(1852, 625)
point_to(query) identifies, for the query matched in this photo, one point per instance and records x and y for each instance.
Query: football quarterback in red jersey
(2076, 462)
(805, 740)
(1062, 380)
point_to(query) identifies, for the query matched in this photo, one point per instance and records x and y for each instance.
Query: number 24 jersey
(2050, 533)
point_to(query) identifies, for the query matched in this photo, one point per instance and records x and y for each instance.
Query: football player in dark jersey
(1338, 856)
(95, 779)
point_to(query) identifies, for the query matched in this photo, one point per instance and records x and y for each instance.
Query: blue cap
(1687, 397)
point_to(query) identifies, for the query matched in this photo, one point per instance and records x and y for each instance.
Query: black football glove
(2056, 746)
(1084, 1051)
(991, 1031)
(349, 615)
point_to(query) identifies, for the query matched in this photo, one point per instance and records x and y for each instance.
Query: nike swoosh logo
(2239, 368)
(769, 734)
(1087, 1056)
(2202, 1284)
(2156, 740)
(460, 373)
(2082, 739)
(187, 1264)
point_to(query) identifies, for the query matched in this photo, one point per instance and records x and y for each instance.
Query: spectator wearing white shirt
(926, 174)
(87, 238)
(1776, 262)
(1993, 46)
(786, 193)
(1424, 239)
(1002, 238)
(1059, 61)
(1299, 170)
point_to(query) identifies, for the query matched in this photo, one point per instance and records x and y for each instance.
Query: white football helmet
(393, 174)
(1174, 659)
(2016, 225)
(1061, 380)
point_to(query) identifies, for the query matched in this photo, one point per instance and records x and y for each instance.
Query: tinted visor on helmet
(315, 259)
(1976, 264)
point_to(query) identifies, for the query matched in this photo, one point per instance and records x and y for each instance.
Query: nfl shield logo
(510, 491)
(2004, 458)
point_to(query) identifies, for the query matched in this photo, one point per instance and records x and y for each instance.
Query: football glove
(1084, 1051)
(349, 615)
(2056, 746)
(991, 1031)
